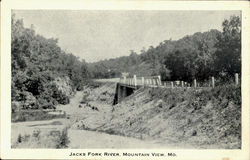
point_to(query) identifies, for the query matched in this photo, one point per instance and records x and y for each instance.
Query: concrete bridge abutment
(122, 92)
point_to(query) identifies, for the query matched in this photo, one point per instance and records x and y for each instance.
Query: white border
(208, 154)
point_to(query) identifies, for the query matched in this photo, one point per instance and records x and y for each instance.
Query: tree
(228, 55)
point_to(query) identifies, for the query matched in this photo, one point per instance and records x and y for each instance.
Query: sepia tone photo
(125, 79)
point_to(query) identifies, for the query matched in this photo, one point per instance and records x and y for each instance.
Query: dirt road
(92, 139)
(82, 138)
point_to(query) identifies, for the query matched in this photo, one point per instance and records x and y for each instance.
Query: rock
(63, 84)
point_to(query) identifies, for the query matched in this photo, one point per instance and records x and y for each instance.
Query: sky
(95, 35)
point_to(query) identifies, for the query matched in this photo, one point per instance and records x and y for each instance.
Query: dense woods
(40, 69)
(199, 56)
(43, 75)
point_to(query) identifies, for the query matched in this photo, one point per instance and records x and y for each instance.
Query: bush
(63, 140)
(53, 139)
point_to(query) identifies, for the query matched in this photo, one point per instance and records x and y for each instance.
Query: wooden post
(153, 82)
(135, 81)
(213, 82)
(142, 81)
(172, 85)
(182, 84)
(195, 84)
(159, 80)
(165, 84)
(124, 80)
(236, 79)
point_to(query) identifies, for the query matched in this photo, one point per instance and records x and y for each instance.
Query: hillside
(43, 75)
(151, 61)
(200, 56)
(182, 118)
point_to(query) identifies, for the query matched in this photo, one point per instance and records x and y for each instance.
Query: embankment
(188, 118)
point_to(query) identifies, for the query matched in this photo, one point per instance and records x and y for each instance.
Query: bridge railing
(141, 81)
(155, 81)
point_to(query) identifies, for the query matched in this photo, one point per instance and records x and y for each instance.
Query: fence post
(165, 84)
(182, 84)
(159, 80)
(195, 84)
(172, 85)
(124, 80)
(135, 83)
(236, 79)
(142, 80)
(213, 82)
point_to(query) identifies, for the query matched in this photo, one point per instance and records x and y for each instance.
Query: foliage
(63, 140)
(54, 139)
(36, 62)
(228, 54)
(200, 56)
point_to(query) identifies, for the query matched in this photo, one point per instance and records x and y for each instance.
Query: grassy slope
(208, 118)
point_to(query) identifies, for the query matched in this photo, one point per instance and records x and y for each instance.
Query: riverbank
(162, 118)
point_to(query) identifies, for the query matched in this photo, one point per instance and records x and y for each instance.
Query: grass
(53, 139)
(33, 115)
(214, 113)
(203, 117)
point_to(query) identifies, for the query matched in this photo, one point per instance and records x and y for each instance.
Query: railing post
(159, 80)
(165, 84)
(172, 85)
(213, 82)
(124, 79)
(182, 84)
(142, 81)
(195, 84)
(135, 83)
(236, 79)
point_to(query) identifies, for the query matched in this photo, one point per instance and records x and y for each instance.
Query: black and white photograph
(126, 79)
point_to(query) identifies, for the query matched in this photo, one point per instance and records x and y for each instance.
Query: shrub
(63, 140)
(53, 139)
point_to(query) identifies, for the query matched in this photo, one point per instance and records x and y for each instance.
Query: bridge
(127, 85)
